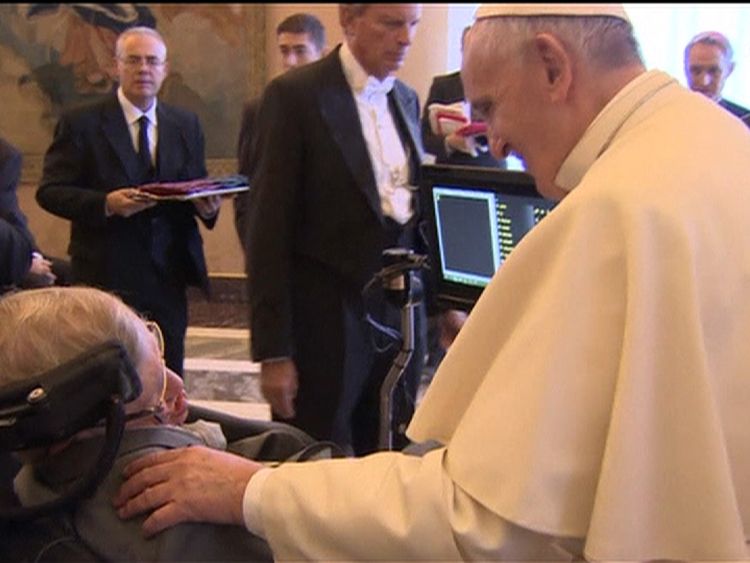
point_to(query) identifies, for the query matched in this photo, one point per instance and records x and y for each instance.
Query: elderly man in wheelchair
(83, 391)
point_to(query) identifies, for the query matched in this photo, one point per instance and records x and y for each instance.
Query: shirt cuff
(251, 513)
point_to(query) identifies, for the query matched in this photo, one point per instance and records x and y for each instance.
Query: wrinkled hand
(208, 207)
(41, 269)
(194, 484)
(126, 202)
(278, 383)
(450, 323)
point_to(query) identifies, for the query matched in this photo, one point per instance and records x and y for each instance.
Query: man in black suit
(41, 271)
(146, 252)
(301, 39)
(15, 255)
(453, 148)
(708, 64)
(339, 152)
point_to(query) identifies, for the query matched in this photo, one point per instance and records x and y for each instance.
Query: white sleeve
(387, 506)
(251, 502)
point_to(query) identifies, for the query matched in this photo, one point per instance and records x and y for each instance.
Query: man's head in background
(379, 35)
(141, 56)
(708, 63)
(301, 39)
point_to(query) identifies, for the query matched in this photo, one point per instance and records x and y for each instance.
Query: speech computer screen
(476, 218)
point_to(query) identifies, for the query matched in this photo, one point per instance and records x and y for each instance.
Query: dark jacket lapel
(169, 148)
(339, 111)
(406, 106)
(117, 134)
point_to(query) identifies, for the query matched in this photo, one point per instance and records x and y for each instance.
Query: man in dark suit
(301, 39)
(41, 271)
(340, 148)
(146, 252)
(15, 255)
(708, 64)
(453, 148)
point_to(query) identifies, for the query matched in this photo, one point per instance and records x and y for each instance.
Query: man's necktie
(144, 154)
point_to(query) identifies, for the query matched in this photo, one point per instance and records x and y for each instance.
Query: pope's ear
(556, 63)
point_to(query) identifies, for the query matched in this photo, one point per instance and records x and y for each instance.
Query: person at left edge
(145, 252)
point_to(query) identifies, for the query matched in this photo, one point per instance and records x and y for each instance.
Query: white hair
(43, 328)
(604, 41)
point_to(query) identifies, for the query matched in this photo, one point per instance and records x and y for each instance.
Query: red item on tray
(180, 188)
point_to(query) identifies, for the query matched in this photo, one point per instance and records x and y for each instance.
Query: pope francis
(595, 405)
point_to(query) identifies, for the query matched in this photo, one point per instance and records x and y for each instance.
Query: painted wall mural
(54, 56)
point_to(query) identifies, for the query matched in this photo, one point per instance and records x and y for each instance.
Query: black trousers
(159, 298)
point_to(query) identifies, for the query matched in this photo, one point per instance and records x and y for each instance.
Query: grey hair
(354, 10)
(43, 328)
(604, 41)
(347, 12)
(715, 39)
(139, 30)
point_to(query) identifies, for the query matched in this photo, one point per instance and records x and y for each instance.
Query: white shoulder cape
(601, 386)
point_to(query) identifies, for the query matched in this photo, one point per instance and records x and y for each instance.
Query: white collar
(607, 124)
(133, 113)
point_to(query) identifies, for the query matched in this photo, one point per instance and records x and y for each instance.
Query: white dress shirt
(389, 160)
(132, 115)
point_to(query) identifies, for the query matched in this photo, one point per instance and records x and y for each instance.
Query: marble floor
(217, 350)
(217, 354)
(218, 368)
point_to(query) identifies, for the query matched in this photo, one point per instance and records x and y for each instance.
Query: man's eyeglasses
(155, 330)
(158, 410)
(135, 61)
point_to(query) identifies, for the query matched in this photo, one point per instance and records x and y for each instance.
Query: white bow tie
(374, 87)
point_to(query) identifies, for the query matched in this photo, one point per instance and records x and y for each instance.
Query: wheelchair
(40, 412)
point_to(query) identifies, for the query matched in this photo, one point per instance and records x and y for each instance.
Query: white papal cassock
(597, 401)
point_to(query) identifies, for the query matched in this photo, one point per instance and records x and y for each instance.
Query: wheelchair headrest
(67, 399)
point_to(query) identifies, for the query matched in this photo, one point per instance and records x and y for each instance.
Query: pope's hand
(195, 484)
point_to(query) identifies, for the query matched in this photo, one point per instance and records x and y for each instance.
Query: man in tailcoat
(338, 156)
